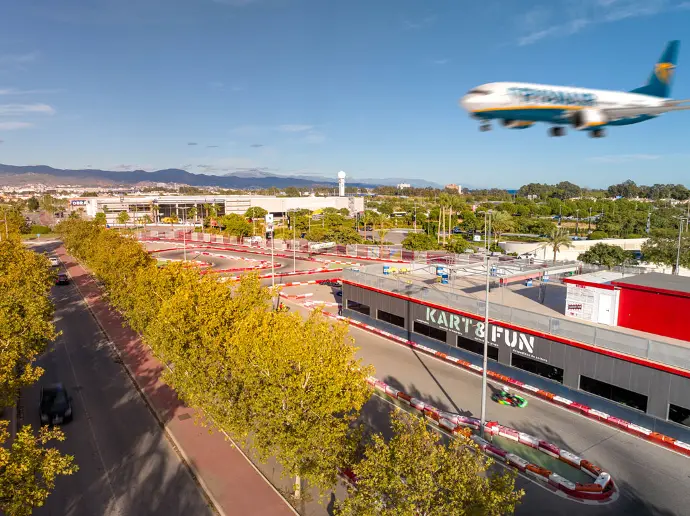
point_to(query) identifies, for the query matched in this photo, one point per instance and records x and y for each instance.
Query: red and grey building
(623, 349)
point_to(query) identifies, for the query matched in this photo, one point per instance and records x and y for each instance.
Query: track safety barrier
(620, 424)
(601, 488)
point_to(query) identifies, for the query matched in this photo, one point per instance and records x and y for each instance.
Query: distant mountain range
(16, 175)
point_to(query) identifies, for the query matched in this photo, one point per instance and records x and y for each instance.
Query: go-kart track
(649, 479)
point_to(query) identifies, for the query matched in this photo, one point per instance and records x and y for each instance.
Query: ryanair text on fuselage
(563, 98)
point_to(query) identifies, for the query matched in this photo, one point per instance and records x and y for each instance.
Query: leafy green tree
(662, 249)
(255, 212)
(607, 255)
(100, 219)
(28, 468)
(32, 204)
(123, 218)
(458, 245)
(501, 222)
(557, 240)
(415, 474)
(26, 312)
(470, 222)
(236, 225)
(344, 235)
(419, 242)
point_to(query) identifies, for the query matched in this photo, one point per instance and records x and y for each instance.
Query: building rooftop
(598, 277)
(540, 307)
(657, 281)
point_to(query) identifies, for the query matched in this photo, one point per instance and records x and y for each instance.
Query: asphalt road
(651, 479)
(126, 464)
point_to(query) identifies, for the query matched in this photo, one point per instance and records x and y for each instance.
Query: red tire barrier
(601, 489)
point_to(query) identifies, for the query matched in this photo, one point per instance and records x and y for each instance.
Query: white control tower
(341, 183)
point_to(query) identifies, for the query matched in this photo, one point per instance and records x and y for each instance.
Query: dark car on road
(56, 405)
(62, 279)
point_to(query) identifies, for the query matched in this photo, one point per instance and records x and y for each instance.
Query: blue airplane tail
(659, 84)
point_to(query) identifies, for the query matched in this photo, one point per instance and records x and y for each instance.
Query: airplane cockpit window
(478, 92)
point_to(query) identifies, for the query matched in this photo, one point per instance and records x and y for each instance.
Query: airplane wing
(672, 105)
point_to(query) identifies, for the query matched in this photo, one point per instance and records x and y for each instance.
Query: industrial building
(160, 207)
(634, 375)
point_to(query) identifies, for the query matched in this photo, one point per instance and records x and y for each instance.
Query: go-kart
(508, 398)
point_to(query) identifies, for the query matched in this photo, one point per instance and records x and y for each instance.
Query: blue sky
(317, 86)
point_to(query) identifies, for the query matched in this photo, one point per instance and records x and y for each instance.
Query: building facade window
(425, 329)
(535, 367)
(358, 307)
(477, 348)
(679, 414)
(391, 318)
(618, 394)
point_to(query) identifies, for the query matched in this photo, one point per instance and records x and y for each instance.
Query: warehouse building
(169, 206)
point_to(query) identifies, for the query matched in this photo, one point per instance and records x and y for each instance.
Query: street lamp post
(487, 222)
(184, 228)
(680, 232)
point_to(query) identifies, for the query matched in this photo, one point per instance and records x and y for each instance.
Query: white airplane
(519, 105)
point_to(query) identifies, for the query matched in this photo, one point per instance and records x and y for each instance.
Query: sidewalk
(227, 477)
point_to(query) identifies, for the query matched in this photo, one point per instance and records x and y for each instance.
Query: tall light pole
(680, 232)
(184, 228)
(487, 221)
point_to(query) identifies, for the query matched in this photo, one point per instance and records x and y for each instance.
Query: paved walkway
(232, 483)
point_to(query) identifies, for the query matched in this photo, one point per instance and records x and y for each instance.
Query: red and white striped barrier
(644, 433)
(602, 487)
(296, 296)
(310, 304)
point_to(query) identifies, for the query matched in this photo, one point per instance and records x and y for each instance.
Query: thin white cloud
(130, 168)
(294, 128)
(441, 61)
(419, 24)
(315, 137)
(11, 126)
(18, 59)
(15, 91)
(624, 158)
(565, 17)
(16, 109)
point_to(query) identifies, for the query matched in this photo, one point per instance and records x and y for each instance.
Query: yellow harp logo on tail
(664, 71)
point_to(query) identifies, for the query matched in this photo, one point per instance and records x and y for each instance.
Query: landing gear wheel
(557, 131)
(485, 127)
(597, 133)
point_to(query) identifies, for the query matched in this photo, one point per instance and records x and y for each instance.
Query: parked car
(56, 405)
(54, 262)
(62, 279)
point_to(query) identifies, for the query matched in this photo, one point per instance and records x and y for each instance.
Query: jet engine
(588, 118)
(516, 124)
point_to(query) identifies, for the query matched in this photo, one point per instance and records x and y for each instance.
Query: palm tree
(558, 238)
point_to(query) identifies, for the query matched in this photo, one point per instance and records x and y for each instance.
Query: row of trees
(289, 387)
(29, 465)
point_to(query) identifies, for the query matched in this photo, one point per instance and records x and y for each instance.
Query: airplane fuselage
(527, 102)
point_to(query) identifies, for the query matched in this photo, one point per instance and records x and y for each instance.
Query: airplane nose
(466, 103)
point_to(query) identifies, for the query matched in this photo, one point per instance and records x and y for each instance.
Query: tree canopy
(607, 255)
(414, 474)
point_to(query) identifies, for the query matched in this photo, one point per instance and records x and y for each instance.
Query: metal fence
(610, 339)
